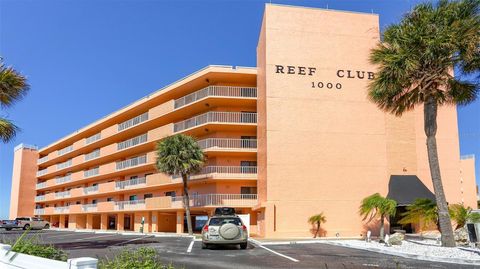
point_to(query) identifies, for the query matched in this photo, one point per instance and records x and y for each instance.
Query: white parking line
(134, 239)
(189, 249)
(97, 236)
(272, 251)
(61, 235)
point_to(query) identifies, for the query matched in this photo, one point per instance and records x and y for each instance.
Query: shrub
(32, 246)
(141, 258)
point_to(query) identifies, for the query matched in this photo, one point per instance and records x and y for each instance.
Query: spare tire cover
(229, 231)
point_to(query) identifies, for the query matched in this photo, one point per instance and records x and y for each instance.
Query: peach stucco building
(291, 138)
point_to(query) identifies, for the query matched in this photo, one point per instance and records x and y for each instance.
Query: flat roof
(325, 9)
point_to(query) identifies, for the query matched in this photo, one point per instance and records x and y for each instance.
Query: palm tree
(13, 87)
(461, 215)
(317, 220)
(180, 155)
(378, 206)
(422, 210)
(415, 63)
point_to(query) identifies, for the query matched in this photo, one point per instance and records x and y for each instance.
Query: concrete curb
(122, 233)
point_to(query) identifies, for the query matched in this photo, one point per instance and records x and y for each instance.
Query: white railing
(92, 155)
(39, 198)
(226, 91)
(89, 207)
(468, 156)
(132, 142)
(93, 138)
(62, 194)
(66, 178)
(228, 143)
(91, 172)
(219, 117)
(62, 209)
(243, 171)
(65, 150)
(132, 122)
(39, 211)
(130, 205)
(90, 189)
(41, 185)
(41, 172)
(65, 164)
(134, 182)
(217, 200)
(132, 162)
(42, 160)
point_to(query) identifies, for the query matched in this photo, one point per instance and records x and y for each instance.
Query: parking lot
(186, 252)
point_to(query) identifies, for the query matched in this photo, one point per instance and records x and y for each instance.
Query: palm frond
(8, 130)
(13, 86)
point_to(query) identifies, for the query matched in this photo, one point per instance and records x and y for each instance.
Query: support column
(180, 216)
(89, 224)
(61, 222)
(72, 222)
(120, 221)
(104, 222)
(154, 219)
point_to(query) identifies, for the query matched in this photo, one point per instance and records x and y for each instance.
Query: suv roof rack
(225, 211)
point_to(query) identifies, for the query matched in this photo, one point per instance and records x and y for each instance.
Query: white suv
(32, 223)
(224, 230)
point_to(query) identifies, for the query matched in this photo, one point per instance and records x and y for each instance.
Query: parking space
(187, 252)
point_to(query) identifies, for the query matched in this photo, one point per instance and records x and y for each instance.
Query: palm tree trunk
(186, 203)
(318, 229)
(430, 114)
(382, 227)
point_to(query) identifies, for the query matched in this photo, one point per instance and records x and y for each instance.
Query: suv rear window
(221, 221)
(27, 219)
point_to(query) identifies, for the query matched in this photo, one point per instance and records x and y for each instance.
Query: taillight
(244, 227)
(205, 228)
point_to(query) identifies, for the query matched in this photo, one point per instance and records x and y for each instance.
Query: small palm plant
(317, 220)
(461, 215)
(377, 206)
(13, 87)
(180, 155)
(422, 210)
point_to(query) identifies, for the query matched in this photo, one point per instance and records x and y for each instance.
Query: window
(77, 203)
(248, 163)
(94, 201)
(133, 177)
(109, 199)
(248, 190)
(170, 193)
(132, 198)
(221, 221)
(148, 195)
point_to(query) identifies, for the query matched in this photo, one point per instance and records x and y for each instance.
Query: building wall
(468, 182)
(22, 197)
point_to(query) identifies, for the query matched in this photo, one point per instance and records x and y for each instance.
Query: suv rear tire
(26, 227)
(243, 245)
(204, 246)
(47, 226)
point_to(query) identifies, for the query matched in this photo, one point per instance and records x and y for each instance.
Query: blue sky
(85, 59)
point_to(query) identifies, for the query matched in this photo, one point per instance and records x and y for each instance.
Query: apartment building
(291, 138)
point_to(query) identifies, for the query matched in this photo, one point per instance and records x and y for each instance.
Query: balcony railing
(93, 138)
(65, 164)
(39, 198)
(130, 205)
(132, 142)
(222, 91)
(62, 194)
(90, 189)
(92, 155)
(41, 172)
(66, 178)
(132, 122)
(227, 143)
(89, 207)
(65, 150)
(39, 211)
(134, 182)
(131, 162)
(41, 185)
(42, 160)
(62, 209)
(91, 172)
(217, 200)
(243, 171)
(216, 117)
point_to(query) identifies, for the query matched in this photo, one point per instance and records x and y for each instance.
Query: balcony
(130, 205)
(132, 122)
(39, 198)
(135, 161)
(218, 91)
(65, 150)
(132, 142)
(90, 189)
(247, 172)
(64, 165)
(41, 185)
(42, 160)
(66, 178)
(93, 138)
(214, 200)
(39, 211)
(89, 208)
(41, 172)
(216, 117)
(92, 172)
(62, 209)
(131, 183)
(63, 194)
(92, 155)
(227, 144)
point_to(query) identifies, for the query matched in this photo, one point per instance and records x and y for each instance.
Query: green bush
(141, 258)
(32, 246)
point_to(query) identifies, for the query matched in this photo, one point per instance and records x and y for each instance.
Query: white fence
(65, 150)
(66, 178)
(132, 122)
(130, 183)
(132, 162)
(228, 143)
(41, 172)
(90, 189)
(132, 142)
(216, 117)
(42, 160)
(65, 164)
(224, 91)
(93, 138)
(92, 155)
(41, 185)
(13, 260)
(91, 172)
